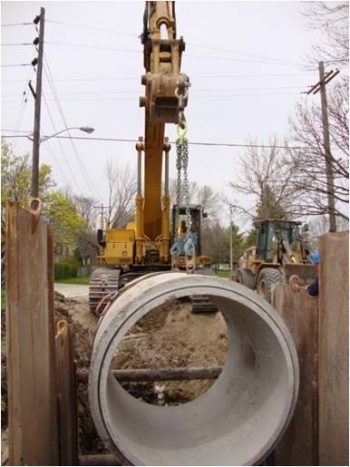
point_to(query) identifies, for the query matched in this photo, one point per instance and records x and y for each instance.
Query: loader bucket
(305, 272)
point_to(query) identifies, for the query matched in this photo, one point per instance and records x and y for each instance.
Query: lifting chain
(182, 165)
(185, 246)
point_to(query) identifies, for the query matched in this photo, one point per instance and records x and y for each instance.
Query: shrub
(66, 269)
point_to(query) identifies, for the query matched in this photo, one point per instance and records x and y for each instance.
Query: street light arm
(86, 129)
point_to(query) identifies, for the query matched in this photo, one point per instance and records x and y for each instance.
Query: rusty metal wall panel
(334, 350)
(299, 444)
(30, 341)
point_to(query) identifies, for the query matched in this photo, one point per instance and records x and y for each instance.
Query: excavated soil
(169, 336)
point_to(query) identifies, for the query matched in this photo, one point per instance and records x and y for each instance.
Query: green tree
(16, 177)
(216, 242)
(65, 222)
(269, 207)
(250, 239)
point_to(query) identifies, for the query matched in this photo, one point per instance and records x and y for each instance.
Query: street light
(34, 202)
(86, 129)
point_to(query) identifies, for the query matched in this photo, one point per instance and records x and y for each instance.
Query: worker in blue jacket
(313, 288)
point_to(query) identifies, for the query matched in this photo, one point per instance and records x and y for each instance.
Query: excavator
(258, 384)
(146, 245)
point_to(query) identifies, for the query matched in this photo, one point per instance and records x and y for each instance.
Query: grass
(74, 280)
(85, 280)
(223, 273)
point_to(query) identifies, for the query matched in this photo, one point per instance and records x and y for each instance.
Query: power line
(195, 92)
(94, 28)
(84, 171)
(260, 60)
(17, 65)
(99, 47)
(239, 53)
(16, 131)
(193, 143)
(231, 59)
(16, 24)
(127, 78)
(61, 147)
(15, 44)
(57, 161)
(207, 57)
(194, 96)
(113, 31)
(22, 106)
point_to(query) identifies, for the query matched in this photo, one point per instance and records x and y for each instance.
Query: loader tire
(266, 279)
(245, 277)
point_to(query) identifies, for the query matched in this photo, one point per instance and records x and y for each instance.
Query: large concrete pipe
(238, 420)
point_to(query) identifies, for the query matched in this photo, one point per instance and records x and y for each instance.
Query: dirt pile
(168, 336)
(171, 336)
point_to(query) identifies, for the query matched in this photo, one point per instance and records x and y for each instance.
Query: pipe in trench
(159, 374)
(238, 421)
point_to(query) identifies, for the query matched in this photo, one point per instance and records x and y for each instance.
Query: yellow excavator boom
(166, 90)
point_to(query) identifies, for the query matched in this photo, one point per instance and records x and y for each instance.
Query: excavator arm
(166, 90)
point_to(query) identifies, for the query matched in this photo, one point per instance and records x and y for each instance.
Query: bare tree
(192, 192)
(86, 209)
(211, 202)
(265, 178)
(332, 20)
(204, 195)
(309, 165)
(122, 186)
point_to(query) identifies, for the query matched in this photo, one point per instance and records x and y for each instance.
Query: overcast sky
(246, 62)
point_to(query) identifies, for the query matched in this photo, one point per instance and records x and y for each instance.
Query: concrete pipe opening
(238, 421)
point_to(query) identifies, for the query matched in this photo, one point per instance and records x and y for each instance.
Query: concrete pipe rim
(157, 289)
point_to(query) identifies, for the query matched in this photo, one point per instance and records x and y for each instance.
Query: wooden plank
(334, 349)
(67, 395)
(30, 340)
(12, 338)
(299, 444)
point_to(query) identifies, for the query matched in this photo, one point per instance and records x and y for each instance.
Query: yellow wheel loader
(281, 254)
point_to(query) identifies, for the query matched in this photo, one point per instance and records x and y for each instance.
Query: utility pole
(231, 243)
(321, 86)
(102, 208)
(37, 112)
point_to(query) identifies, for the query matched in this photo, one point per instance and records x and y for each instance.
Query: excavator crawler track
(202, 304)
(103, 282)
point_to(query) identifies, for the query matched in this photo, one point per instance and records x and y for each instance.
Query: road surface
(72, 290)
